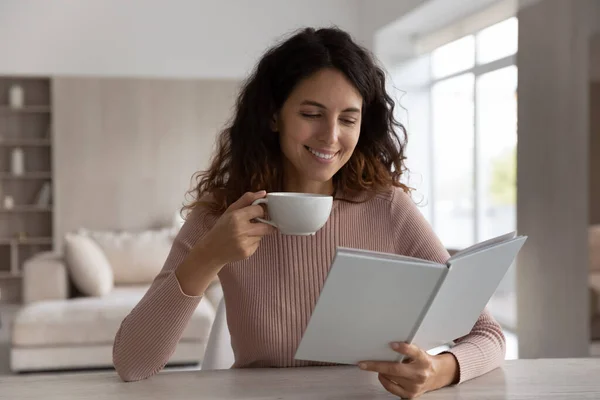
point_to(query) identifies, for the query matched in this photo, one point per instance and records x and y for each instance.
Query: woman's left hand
(418, 373)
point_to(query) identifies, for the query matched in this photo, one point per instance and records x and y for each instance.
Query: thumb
(246, 200)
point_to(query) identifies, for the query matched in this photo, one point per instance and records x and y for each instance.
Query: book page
(482, 245)
(470, 283)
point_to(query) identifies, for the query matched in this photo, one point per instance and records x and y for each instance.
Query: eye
(348, 122)
(309, 115)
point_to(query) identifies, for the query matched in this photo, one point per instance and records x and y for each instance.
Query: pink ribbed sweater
(270, 296)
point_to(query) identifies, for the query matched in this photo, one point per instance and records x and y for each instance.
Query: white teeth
(321, 155)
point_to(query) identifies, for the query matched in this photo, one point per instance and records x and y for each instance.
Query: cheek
(298, 132)
(350, 140)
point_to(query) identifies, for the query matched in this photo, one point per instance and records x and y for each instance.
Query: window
(453, 166)
(473, 135)
(453, 57)
(496, 113)
(463, 142)
(497, 41)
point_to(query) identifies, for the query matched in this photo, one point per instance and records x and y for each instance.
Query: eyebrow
(317, 104)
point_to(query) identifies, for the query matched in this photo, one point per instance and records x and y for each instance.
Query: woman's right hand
(234, 236)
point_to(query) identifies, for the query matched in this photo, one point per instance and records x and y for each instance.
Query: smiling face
(319, 126)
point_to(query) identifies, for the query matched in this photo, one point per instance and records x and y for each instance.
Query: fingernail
(362, 365)
(395, 345)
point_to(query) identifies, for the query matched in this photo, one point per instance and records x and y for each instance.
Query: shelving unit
(24, 209)
(25, 142)
(27, 175)
(25, 225)
(28, 109)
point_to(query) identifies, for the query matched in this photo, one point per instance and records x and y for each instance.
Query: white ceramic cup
(297, 213)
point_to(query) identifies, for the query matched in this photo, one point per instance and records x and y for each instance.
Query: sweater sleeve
(484, 348)
(149, 334)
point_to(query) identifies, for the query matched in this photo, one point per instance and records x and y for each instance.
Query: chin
(320, 177)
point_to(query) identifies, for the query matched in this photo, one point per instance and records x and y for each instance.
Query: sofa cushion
(89, 320)
(87, 265)
(135, 257)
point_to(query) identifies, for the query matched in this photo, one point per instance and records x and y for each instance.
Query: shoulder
(198, 220)
(402, 202)
(200, 215)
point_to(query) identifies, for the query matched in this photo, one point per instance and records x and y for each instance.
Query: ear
(275, 123)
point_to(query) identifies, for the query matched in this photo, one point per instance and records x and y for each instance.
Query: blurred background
(107, 108)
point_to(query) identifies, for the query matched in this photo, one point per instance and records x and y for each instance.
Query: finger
(250, 212)
(404, 383)
(261, 229)
(414, 353)
(394, 388)
(383, 367)
(389, 368)
(246, 199)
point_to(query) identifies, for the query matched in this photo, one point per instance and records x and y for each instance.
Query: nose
(330, 132)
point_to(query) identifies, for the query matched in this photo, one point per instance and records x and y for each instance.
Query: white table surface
(518, 379)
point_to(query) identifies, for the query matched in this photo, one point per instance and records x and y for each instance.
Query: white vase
(16, 96)
(8, 202)
(17, 163)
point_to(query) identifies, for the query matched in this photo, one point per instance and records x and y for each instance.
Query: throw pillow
(87, 265)
(135, 257)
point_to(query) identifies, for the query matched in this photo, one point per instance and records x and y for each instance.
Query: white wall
(415, 27)
(127, 148)
(192, 38)
(146, 38)
(377, 14)
(397, 40)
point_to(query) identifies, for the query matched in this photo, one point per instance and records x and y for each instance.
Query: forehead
(329, 87)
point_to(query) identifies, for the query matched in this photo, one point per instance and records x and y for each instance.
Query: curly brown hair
(248, 155)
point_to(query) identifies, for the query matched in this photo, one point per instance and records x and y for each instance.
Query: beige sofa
(58, 330)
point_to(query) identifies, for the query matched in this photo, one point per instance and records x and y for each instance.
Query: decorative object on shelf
(8, 203)
(21, 236)
(17, 161)
(44, 197)
(16, 96)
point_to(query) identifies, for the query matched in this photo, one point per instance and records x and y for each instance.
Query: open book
(371, 299)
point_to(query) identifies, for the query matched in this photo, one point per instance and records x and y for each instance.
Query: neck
(294, 184)
(309, 187)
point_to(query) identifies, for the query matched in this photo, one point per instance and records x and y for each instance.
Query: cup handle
(263, 201)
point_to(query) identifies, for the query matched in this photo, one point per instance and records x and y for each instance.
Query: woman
(313, 117)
